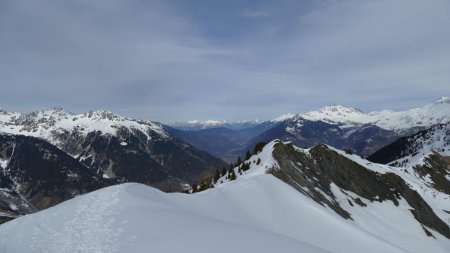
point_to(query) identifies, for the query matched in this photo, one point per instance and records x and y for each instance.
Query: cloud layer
(178, 60)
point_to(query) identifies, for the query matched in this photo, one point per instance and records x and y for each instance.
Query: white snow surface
(428, 115)
(47, 122)
(258, 215)
(4, 163)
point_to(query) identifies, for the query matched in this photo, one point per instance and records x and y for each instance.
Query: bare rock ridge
(313, 173)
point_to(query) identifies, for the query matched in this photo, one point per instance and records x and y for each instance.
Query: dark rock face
(131, 155)
(437, 168)
(315, 172)
(39, 175)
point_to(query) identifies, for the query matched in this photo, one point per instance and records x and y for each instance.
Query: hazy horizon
(217, 119)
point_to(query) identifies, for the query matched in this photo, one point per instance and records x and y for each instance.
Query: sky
(176, 60)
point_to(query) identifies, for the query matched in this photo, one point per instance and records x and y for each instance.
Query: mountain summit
(433, 113)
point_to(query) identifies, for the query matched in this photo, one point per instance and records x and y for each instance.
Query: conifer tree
(245, 166)
(259, 147)
(248, 155)
(239, 161)
(232, 176)
(216, 176)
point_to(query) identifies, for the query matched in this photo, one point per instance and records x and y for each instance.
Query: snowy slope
(428, 115)
(261, 215)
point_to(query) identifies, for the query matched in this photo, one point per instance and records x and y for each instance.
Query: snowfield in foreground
(256, 214)
(137, 218)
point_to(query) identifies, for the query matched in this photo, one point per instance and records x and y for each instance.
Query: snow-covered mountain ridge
(195, 125)
(336, 125)
(433, 113)
(46, 123)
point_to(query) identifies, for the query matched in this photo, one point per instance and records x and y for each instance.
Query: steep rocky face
(12, 204)
(117, 147)
(323, 173)
(36, 175)
(437, 168)
(132, 156)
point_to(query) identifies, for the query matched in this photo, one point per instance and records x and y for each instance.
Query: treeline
(230, 173)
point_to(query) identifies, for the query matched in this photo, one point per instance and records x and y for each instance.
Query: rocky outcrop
(313, 172)
(437, 169)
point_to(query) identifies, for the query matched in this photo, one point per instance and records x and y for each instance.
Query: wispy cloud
(251, 13)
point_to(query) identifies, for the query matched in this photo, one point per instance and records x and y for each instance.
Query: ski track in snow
(85, 231)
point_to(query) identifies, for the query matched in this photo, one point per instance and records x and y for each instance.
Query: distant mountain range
(336, 125)
(193, 125)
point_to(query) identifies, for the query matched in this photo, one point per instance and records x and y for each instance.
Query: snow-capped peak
(338, 114)
(443, 100)
(433, 113)
(284, 117)
(46, 123)
(206, 122)
(339, 109)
